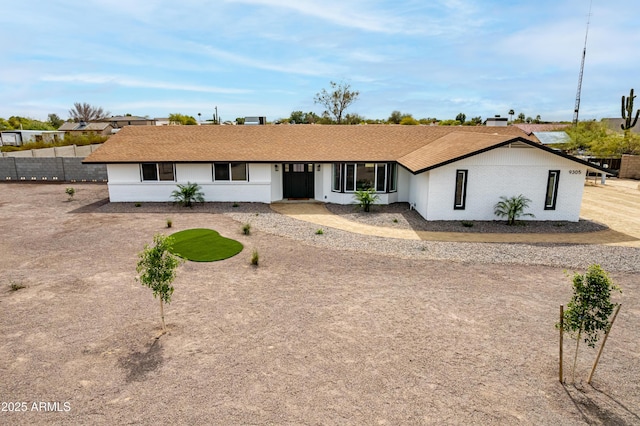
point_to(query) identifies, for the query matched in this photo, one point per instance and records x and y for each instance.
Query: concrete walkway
(616, 204)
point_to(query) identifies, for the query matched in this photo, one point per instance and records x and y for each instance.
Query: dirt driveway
(311, 336)
(617, 204)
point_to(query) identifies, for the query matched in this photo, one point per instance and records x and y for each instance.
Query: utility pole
(584, 54)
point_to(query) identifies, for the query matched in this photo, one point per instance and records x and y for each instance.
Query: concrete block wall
(44, 152)
(28, 153)
(58, 151)
(630, 167)
(67, 151)
(62, 163)
(8, 169)
(39, 168)
(74, 170)
(69, 169)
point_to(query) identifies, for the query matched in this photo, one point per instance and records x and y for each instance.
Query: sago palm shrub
(512, 208)
(188, 194)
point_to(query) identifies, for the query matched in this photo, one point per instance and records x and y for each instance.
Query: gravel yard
(337, 328)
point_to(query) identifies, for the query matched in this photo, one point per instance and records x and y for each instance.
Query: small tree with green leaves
(187, 194)
(336, 100)
(185, 120)
(408, 120)
(365, 198)
(512, 208)
(157, 269)
(70, 191)
(587, 314)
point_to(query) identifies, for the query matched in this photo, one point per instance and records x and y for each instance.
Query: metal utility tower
(584, 54)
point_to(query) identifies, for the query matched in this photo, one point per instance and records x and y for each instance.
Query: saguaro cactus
(627, 112)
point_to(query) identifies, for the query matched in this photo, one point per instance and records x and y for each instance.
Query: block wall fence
(60, 164)
(630, 167)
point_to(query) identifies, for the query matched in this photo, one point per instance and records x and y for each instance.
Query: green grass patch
(203, 245)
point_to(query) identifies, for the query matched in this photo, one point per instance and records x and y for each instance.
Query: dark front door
(298, 180)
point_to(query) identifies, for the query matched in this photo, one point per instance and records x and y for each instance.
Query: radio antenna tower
(584, 54)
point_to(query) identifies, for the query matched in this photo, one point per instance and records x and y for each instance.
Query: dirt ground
(311, 336)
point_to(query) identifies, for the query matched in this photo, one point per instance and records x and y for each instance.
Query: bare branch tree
(86, 112)
(337, 100)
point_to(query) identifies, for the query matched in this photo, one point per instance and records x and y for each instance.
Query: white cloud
(338, 13)
(305, 66)
(99, 79)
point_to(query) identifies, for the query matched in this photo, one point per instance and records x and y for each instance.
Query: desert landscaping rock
(337, 328)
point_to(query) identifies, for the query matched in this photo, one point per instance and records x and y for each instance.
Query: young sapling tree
(587, 314)
(157, 269)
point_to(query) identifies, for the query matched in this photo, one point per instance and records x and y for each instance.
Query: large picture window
(461, 190)
(230, 172)
(552, 190)
(366, 175)
(350, 177)
(157, 171)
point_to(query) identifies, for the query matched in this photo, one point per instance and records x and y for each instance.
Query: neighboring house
(551, 138)
(546, 127)
(19, 137)
(548, 133)
(162, 121)
(83, 128)
(616, 123)
(249, 121)
(119, 121)
(497, 121)
(445, 173)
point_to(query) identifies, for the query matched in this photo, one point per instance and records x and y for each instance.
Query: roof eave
(471, 154)
(593, 167)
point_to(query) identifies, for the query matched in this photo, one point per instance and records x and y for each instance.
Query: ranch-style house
(445, 173)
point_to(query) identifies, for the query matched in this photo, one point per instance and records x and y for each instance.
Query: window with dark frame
(221, 171)
(336, 180)
(350, 177)
(552, 190)
(157, 172)
(165, 171)
(461, 190)
(230, 172)
(238, 171)
(381, 177)
(365, 176)
(393, 177)
(149, 171)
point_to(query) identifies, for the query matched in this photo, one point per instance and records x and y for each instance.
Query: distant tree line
(586, 137)
(596, 138)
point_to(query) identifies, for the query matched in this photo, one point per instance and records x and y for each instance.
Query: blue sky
(270, 57)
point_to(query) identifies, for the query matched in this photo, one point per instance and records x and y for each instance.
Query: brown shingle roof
(417, 146)
(450, 147)
(71, 126)
(548, 127)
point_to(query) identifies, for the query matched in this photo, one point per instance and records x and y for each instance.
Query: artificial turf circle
(203, 245)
